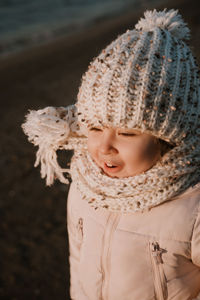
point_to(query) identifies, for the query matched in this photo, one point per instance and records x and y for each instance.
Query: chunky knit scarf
(166, 179)
(56, 128)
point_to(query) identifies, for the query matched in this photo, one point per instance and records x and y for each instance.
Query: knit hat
(146, 79)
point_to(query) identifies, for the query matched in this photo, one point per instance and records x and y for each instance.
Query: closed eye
(120, 133)
(127, 134)
(95, 129)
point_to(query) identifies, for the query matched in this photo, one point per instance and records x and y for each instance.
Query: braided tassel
(50, 129)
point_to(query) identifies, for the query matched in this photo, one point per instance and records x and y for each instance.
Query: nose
(107, 143)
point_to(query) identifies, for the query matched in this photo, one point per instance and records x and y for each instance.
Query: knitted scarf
(56, 128)
(168, 178)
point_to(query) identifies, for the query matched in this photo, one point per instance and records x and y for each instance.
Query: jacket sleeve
(195, 244)
(50, 129)
(75, 237)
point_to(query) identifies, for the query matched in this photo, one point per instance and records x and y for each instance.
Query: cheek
(142, 152)
(135, 155)
(92, 145)
(150, 151)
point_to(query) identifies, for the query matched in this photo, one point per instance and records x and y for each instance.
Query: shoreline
(79, 47)
(65, 30)
(19, 41)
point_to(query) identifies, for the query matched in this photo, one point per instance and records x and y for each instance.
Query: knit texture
(52, 129)
(146, 79)
(57, 128)
(165, 180)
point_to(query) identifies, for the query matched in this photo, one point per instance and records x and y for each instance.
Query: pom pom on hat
(167, 20)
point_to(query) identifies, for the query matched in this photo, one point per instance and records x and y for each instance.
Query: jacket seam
(155, 236)
(195, 220)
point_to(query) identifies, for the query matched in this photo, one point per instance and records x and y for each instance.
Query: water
(24, 23)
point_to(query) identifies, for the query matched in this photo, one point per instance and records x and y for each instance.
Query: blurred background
(45, 46)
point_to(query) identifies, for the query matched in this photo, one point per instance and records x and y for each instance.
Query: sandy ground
(34, 245)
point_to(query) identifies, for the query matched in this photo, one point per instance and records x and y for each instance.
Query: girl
(133, 208)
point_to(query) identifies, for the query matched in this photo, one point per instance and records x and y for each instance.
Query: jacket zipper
(159, 276)
(79, 227)
(111, 225)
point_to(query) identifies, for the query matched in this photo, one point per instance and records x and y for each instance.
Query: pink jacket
(153, 255)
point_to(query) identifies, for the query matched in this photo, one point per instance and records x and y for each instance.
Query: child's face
(128, 151)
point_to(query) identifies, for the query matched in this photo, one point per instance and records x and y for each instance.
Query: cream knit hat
(146, 79)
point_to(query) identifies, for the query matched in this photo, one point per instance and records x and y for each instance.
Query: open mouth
(110, 166)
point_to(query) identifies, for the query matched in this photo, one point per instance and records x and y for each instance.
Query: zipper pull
(157, 252)
(80, 228)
